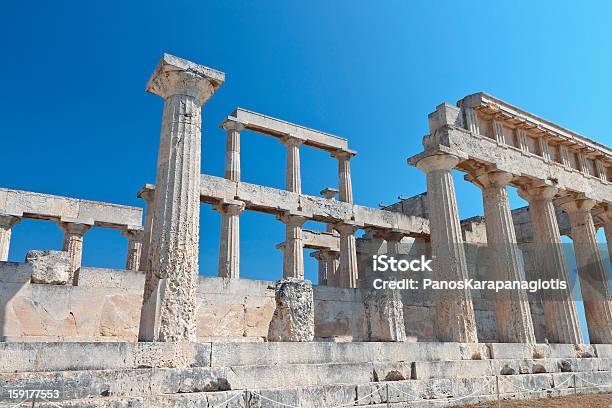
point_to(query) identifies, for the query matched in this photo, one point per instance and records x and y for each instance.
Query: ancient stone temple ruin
(158, 334)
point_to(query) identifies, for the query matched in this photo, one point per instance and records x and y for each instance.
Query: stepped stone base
(315, 374)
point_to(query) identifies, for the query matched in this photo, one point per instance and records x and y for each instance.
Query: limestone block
(603, 350)
(534, 382)
(49, 267)
(452, 369)
(518, 350)
(293, 318)
(15, 272)
(384, 316)
(474, 351)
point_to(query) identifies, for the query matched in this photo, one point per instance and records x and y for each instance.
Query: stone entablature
(74, 216)
(40, 206)
(267, 125)
(455, 130)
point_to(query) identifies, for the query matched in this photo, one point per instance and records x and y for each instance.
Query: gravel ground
(581, 401)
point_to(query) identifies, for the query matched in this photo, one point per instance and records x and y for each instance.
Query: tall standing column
(560, 313)
(454, 319)
(293, 176)
(73, 244)
(344, 175)
(134, 252)
(232, 149)
(348, 275)
(229, 246)
(169, 305)
(327, 266)
(591, 270)
(512, 311)
(606, 216)
(293, 247)
(147, 193)
(6, 226)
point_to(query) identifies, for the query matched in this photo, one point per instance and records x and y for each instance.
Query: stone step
(65, 356)
(470, 368)
(406, 393)
(145, 381)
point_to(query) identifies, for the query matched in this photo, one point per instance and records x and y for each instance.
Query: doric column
(392, 238)
(327, 266)
(348, 275)
(293, 176)
(134, 236)
(562, 324)
(606, 216)
(454, 320)
(229, 247)
(169, 296)
(6, 226)
(591, 270)
(293, 247)
(73, 244)
(345, 184)
(232, 149)
(512, 311)
(147, 193)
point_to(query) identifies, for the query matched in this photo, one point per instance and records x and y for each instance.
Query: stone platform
(316, 374)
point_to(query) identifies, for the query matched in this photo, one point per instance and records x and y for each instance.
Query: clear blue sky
(76, 120)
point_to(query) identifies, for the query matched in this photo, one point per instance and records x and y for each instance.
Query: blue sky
(76, 120)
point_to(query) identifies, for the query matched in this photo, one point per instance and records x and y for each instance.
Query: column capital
(75, 227)
(389, 235)
(491, 178)
(576, 204)
(291, 141)
(292, 219)
(133, 233)
(177, 76)
(8, 220)
(230, 207)
(534, 193)
(344, 227)
(232, 124)
(343, 154)
(147, 193)
(434, 162)
(329, 193)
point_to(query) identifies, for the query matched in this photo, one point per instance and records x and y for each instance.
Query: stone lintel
(39, 206)
(270, 126)
(275, 201)
(231, 122)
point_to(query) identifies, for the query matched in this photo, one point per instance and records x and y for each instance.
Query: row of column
(293, 246)
(455, 317)
(73, 242)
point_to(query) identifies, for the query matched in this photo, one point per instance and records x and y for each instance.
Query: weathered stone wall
(105, 306)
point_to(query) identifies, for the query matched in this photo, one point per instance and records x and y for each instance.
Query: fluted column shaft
(134, 252)
(512, 311)
(607, 217)
(232, 150)
(6, 227)
(454, 319)
(591, 270)
(293, 247)
(73, 244)
(147, 194)
(169, 304)
(345, 184)
(562, 325)
(293, 176)
(229, 247)
(393, 240)
(348, 275)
